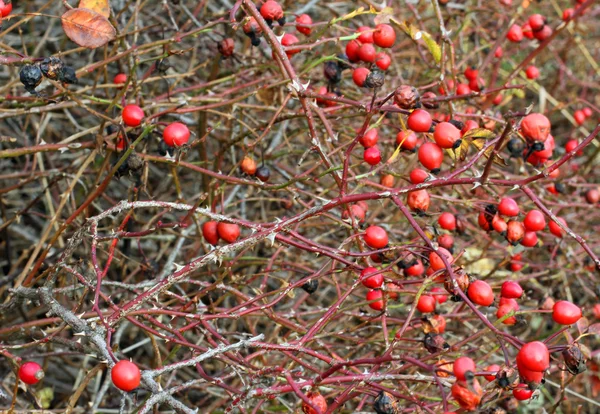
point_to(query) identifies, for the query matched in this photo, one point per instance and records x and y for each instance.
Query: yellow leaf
(416, 34)
(99, 6)
(395, 154)
(479, 133)
(433, 47)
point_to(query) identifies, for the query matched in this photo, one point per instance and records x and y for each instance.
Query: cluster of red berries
(363, 49)
(213, 231)
(534, 28)
(582, 115)
(568, 13)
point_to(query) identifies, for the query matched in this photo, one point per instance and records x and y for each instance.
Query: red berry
(543, 34)
(508, 207)
(515, 34)
(376, 296)
(471, 73)
(535, 127)
(461, 366)
(468, 396)
(426, 304)
(515, 263)
(372, 282)
(529, 376)
(506, 309)
(527, 32)
(370, 138)
(447, 221)
(132, 115)
(511, 290)
(226, 47)
(534, 356)
(366, 34)
(372, 156)
(498, 53)
(494, 368)
(125, 375)
(481, 293)
(376, 237)
(384, 35)
(596, 311)
(446, 135)
(469, 125)
(446, 241)
(530, 239)
(568, 14)
(565, 312)
(387, 180)
(440, 295)
(499, 224)
(435, 260)
(301, 22)
(537, 22)
(5, 8)
(579, 117)
(587, 111)
(271, 10)
(228, 231)
(357, 212)
(352, 51)
(417, 176)
(317, 401)
(248, 166)
(463, 89)
(450, 84)
(176, 134)
(119, 79)
(532, 72)
(415, 270)
(210, 233)
(515, 231)
(419, 121)
(534, 221)
(555, 228)
(522, 393)
(407, 140)
(383, 60)
(359, 75)
(431, 156)
(418, 200)
(367, 53)
(31, 373)
(289, 39)
(592, 196)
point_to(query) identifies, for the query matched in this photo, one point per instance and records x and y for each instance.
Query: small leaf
(99, 6)
(87, 28)
(582, 325)
(479, 133)
(417, 34)
(594, 329)
(433, 47)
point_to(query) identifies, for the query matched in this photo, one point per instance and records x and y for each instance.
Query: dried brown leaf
(87, 28)
(99, 6)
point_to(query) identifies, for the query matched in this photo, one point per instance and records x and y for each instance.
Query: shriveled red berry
(461, 366)
(132, 115)
(481, 293)
(31, 372)
(210, 233)
(522, 393)
(228, 231)
(176, 134)
(370, 138)
(534, 221)
(359, 75)
(418, 200)
(226, 46)
(447, 221)
(467, 395)
(372, 156)
(384, 35)
(125, 375)
(515, 33)
(407, 140)
(435, 260)
(376, 296)
(417, 176)
(372, 282)
(419, 121)
(431, 156)
(317, 401)
(446, 135)
(426, 304)
(446, 241)
(303, 23)
(376, 237)
(535, 127)
(565, 312)
(534, 356)
(515, 231)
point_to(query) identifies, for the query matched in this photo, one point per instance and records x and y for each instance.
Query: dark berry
(69, 76)
(263, 173)
(311, 286)
(52, 68)
(30, 76)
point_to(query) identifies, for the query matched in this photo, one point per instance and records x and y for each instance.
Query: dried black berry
(69, 76)
(263, 173)
(385, 403)
(574, 359)
(30, 76)
(515, 147)
(311, 286)
(52, 68)
(375, 79)
(343, 62)
(435, 343)
(332, 71)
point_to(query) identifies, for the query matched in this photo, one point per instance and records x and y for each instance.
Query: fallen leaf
(87, 28)
(99, 6)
